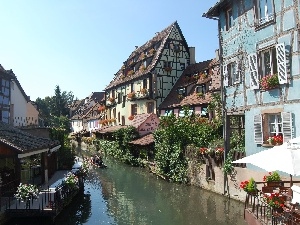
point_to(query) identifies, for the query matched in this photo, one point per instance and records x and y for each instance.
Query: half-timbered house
(148, 75)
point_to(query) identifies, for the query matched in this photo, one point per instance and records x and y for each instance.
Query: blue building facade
(259, 54)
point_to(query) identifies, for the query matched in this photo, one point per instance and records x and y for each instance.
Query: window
(150, 107)
(201, 89)
(145, 83)
(268, 62)
(119, 117)
(271, 124)
(119, 98)
(114, 113)
(233, 73)
(182, 66)
(176, 47)
(134, 109)
(265, 11)
(181, 91)
(229, 19)
(113, 93)
(123, 120)
(167, 64)
(275, 124)
(168, 112)
(124, 100)
(204, 112)
(132, 87)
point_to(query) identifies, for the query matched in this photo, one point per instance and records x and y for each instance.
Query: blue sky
(80, 44)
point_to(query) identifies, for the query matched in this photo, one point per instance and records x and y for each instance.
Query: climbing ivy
(172, 137)
(120, 148)
(65, 154)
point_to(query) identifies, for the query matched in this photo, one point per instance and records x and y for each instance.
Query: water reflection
(123, 195)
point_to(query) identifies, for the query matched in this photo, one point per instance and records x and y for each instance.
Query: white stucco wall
(19, 106)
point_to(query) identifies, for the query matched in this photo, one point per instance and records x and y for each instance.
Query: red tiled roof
(146, 140)
(172, 100)
(108, 129)
(139, 119)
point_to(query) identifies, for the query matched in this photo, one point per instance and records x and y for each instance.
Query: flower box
(269, 82)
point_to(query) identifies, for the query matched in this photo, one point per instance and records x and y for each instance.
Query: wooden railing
(264, 214)
(50, 202)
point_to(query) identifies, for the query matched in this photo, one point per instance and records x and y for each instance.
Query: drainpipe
(224, 111)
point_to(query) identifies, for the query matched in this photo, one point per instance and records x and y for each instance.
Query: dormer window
(201, 89)
(181, 91)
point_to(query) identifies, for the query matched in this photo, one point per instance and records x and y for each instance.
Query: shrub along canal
(124, 195)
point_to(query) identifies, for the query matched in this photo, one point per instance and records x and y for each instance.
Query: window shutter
(254, 82)
(281, 63)
(237, 73)
(225, 76)
(258, 134)
(286, 126)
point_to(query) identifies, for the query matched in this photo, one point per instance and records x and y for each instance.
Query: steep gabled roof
(22, 141)
(138, 56)
(26, 97)
(172, 99)
(90, 115)
(214, 11)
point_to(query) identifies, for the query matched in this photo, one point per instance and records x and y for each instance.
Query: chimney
(136, 47)
(217, 54)
(192, 55)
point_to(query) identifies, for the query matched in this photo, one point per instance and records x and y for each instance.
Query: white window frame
(285, 121)
(265, 11)
(229, 18)
(275, 127)
(272, 60)
(233, 73)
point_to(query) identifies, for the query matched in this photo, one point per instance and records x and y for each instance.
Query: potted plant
(275, 201)
(112, 99)
(71, 181)
(200, 95)
(269, 82)
(275, 140)
(131, 95)
(130, 72)
(273, 179)
(27, 192)
(249, 186)
(144, 91)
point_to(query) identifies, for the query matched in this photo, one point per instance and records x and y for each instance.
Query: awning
(20, 156)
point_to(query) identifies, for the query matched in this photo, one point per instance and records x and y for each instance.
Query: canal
(125, 195)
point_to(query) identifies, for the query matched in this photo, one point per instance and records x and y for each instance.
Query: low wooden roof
(145, 140)
(109, 129)
(22, 141)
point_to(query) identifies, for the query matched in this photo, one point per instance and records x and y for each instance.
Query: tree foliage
(172, 137)
(54, 110)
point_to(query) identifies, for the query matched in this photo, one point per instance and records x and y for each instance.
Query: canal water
(124, 195)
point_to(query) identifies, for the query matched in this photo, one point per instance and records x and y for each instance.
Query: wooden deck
(50, 202)
(257, 212)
